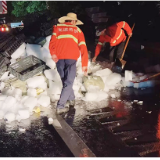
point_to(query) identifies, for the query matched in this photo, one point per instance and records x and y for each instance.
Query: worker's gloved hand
(130, 35)
(94, 59)
(54, 57)
(85, 69)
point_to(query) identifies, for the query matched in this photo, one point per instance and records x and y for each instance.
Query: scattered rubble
(20, 99)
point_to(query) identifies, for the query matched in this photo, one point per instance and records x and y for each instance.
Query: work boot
(71, 103)
(62, 110)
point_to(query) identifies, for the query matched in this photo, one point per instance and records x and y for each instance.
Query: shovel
(146, 79)
(120, 63)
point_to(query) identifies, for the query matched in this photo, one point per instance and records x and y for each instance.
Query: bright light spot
(7, 29)
(2, 29)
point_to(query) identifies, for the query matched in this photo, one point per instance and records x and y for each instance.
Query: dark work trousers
(116, 51)
(67, 71)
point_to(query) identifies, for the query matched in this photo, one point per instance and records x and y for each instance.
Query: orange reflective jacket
(67, 42)
(115, 35)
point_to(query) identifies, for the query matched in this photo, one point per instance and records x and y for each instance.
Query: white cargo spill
(15, 104)
(34, 49)
(31, 92)
(44, 101)
(30, 102)
(50, 63)
(35, 81)
(52, 74)
(128, 75)
(19, 52)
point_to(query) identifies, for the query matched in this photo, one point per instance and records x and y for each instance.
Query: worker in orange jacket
(66, 45)
(115, 36)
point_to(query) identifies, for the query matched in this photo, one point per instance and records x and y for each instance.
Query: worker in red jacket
(116, 37)
(66, 45)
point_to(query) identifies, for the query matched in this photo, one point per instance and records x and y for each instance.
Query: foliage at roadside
(22, 8)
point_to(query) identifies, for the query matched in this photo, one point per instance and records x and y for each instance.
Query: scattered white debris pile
(137, 80)
(19, 99)
(128, 75)
(20, 52)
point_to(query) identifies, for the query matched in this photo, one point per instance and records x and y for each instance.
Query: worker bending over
(115, 35)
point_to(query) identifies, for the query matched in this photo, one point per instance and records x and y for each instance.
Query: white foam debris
(35, 81)
(22, 129)
(50, 63)
(43, 86)
(34, 49)
(13, 61)
(113, 96)
(48, 38)
(113, 79)
(2, 85)
(91, 96)
(1, 114)
(24, 113)
(4, 76)
(149, 112)
(142, 47)
(55, 87)
(24, 98)
(17, 93)
(128, 75)
(44, 101)
(30, 102)
(118, 124)
(104, 72)
(95, 96)
(140, 102)
(19, 52)
(94, 67)
(52, 74)
(50, 120)
(19, 100)
(3, 97)
(31, 92)
(9, 117)
(45, 54)
(102, 95)
(8, 103)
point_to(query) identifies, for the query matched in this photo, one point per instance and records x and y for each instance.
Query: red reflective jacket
(115, 35)
(68, 42)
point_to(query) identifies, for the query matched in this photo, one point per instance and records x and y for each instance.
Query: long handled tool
(146, 79)
(120, 63)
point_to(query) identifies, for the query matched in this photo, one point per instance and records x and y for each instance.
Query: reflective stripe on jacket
(67, 42)
(115, 35)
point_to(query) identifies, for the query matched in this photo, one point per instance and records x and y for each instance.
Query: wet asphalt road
(40, 140)
(123, 128)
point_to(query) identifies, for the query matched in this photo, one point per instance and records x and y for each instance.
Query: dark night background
(145, 15)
